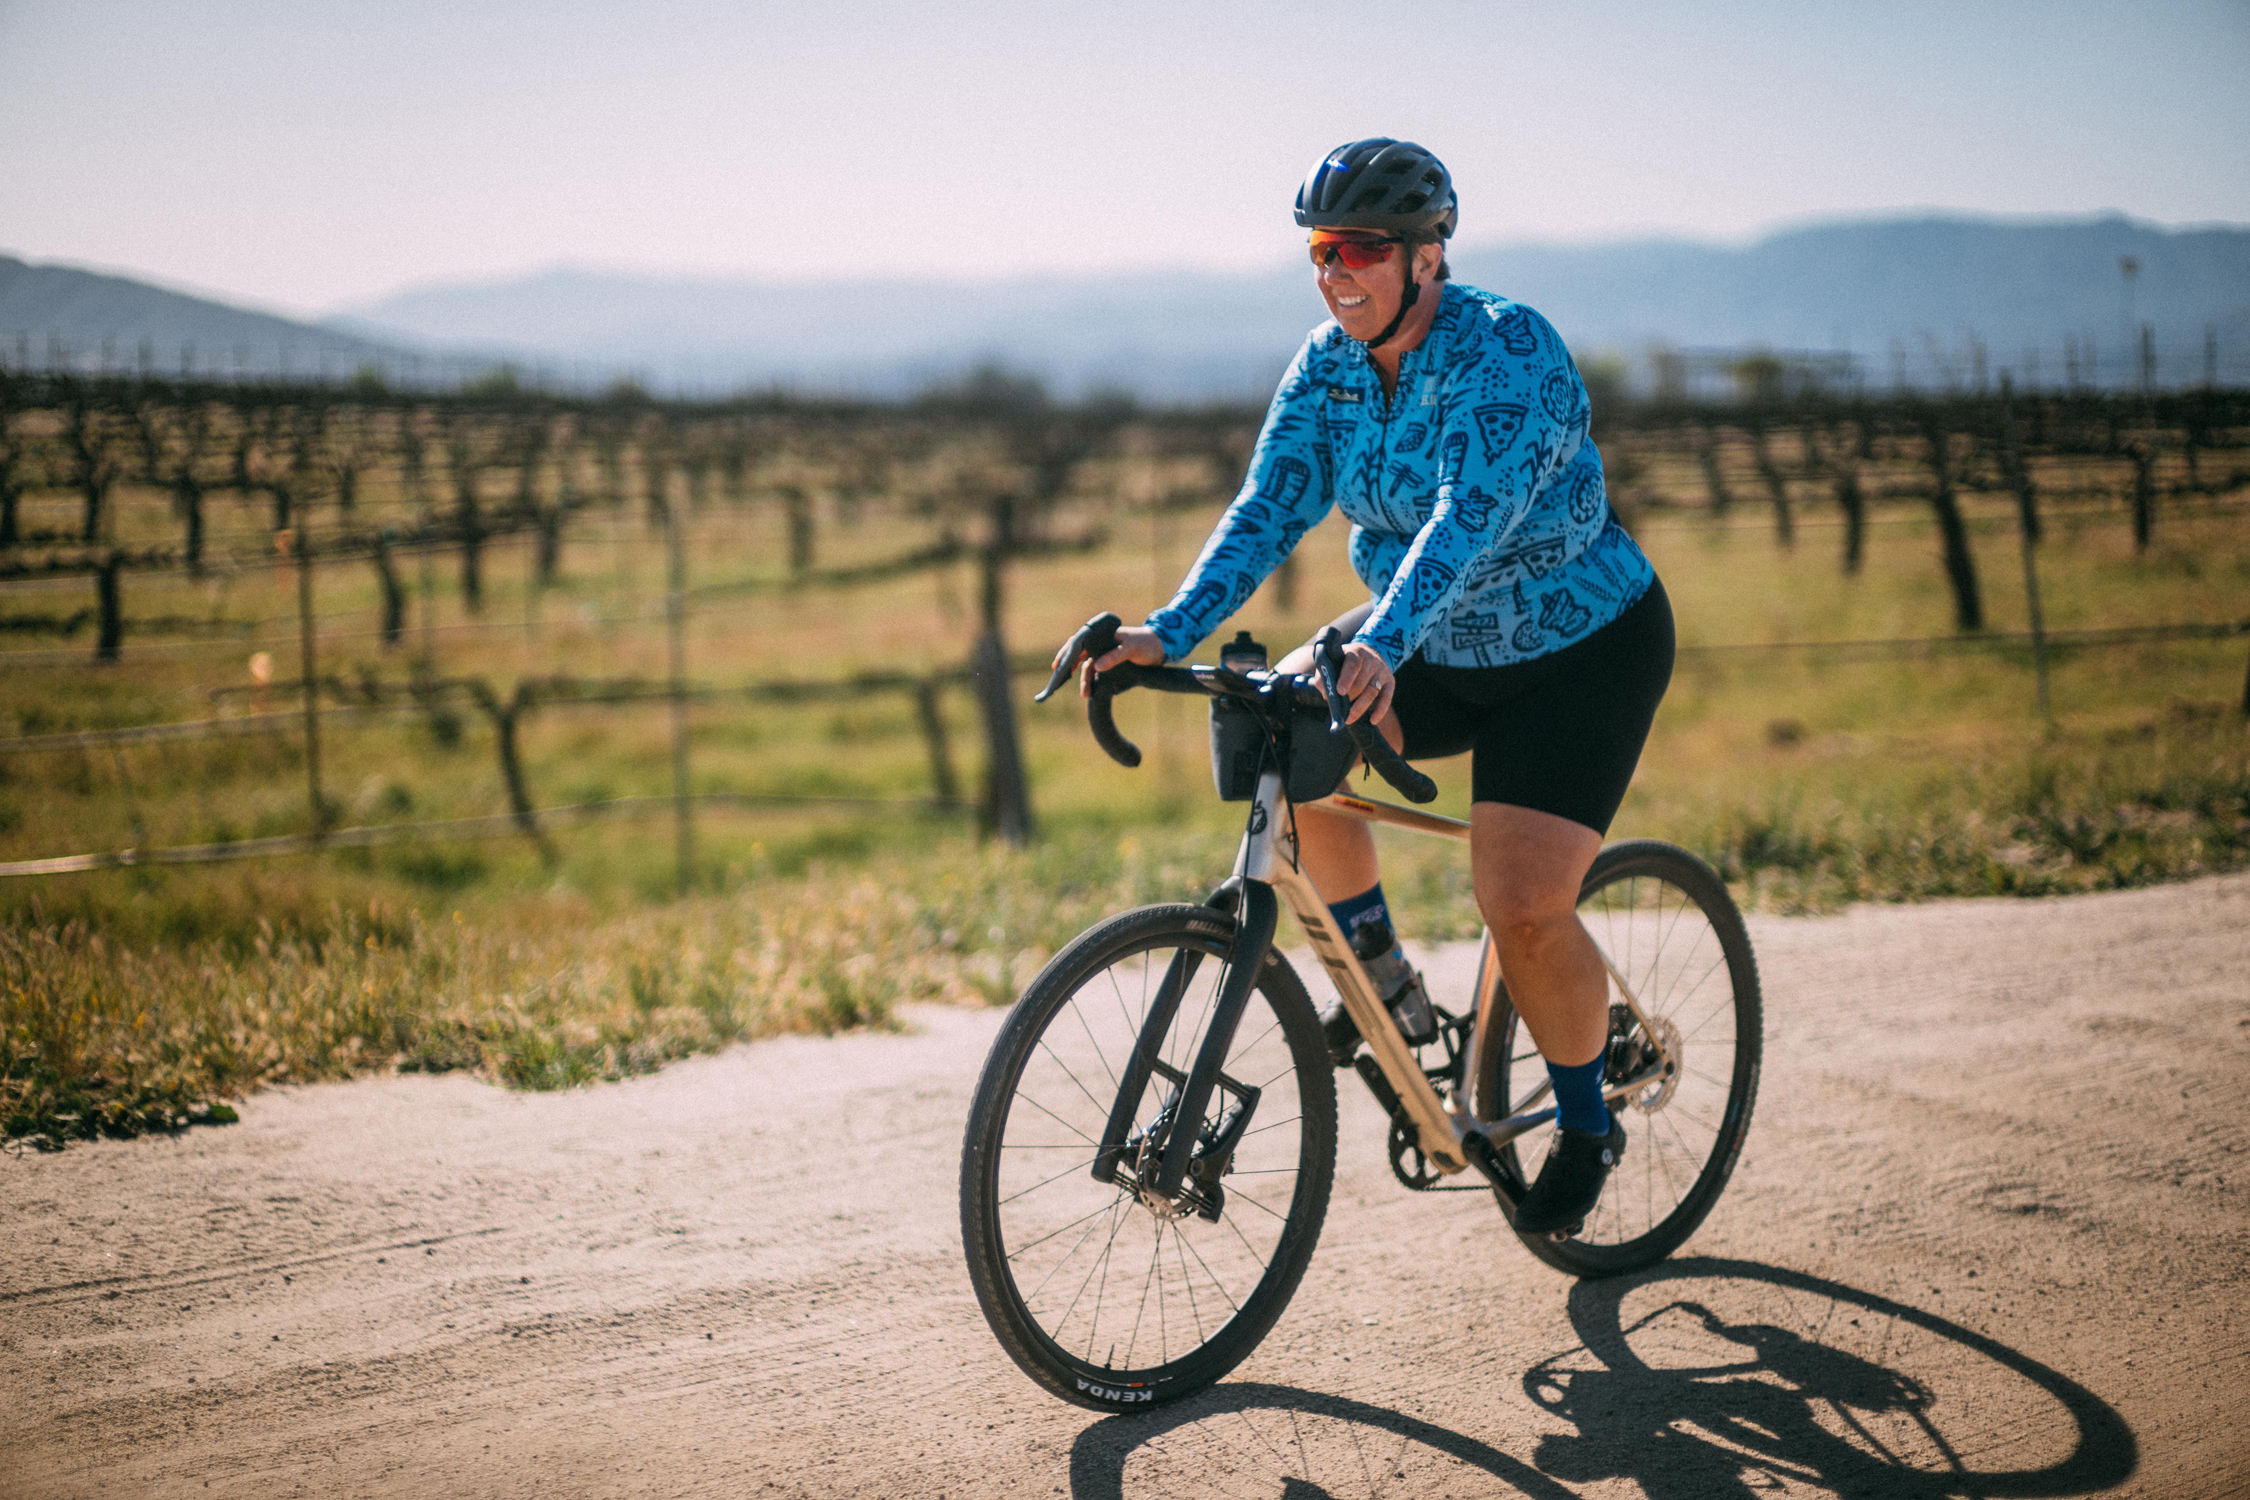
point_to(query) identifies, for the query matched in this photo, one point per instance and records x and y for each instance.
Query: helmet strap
(1405, 304)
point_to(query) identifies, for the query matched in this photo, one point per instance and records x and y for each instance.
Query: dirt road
(1990, 1236)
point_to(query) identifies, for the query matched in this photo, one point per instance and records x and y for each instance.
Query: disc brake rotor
(1658, 1094)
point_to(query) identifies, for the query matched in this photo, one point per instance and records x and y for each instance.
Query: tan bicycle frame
(1269, 854)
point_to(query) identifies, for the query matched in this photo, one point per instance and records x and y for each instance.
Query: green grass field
(135, 999)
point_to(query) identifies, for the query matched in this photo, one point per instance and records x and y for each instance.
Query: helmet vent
(1380, 184)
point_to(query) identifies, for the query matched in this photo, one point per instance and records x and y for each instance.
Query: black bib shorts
(1561, 733)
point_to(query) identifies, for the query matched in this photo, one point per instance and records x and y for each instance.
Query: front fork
(1175, 1145)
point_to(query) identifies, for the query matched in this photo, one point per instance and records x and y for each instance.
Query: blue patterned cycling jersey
(1479, 520)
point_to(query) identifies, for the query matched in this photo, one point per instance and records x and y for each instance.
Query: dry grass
(137, 1000)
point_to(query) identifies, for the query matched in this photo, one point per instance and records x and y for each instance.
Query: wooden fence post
(468, 514)
(1714, 478)
(675, 628)
(1960, 563)
(1777, 484)
(112, 612)
(1007, 796)
(95, 470)
(425, 526)
(1853, 503)
(187, 498)
(506, 718)
(798, 507)
(11, 488)
(394, 597)
(2027, 523)
(308, 678)
(927, 708)
(2144, 492)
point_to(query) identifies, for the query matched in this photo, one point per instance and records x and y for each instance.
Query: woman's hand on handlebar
(1135, 643)
(1366, 682)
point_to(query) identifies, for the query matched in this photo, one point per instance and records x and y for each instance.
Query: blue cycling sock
(1578, 1097)
(1357, 911)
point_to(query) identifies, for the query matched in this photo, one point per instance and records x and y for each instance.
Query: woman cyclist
(1511, 616)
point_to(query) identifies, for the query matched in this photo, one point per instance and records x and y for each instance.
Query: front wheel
(1106, 1295)
(1665, 921)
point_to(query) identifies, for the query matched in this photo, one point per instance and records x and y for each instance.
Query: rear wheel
(1665, 920)
(1106, 1296)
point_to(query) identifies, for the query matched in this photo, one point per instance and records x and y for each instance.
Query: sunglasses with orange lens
(1356, 251)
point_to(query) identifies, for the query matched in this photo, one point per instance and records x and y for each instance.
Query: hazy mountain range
(89, 319)
(1856, 286)
(1923, 292)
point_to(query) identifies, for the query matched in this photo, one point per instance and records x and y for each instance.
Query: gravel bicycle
(1150, 1149)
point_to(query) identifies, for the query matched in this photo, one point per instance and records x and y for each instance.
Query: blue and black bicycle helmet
(1394, 187)
(1389, 187)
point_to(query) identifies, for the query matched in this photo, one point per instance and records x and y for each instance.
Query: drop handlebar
(1099, 635)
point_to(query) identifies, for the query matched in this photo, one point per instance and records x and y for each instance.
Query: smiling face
(1362, 302)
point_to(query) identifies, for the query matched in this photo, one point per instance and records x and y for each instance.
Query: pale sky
(307, 156)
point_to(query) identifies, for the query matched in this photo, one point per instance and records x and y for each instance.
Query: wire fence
(389, 482)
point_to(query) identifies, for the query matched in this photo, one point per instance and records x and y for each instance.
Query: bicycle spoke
(1229, 1221)
(1179, 1254)
(1058, 1265)
(1099, 1055)
(1076, 1245)
(1101, 1269)
(1099, 1107)
(1721, 1012)
(1192, 1037)
(1067, 1228)
(1260, 1207)
(1132, 1023)
(1058, 1119)
(1155, 1258)
(1677, 1111)
(1674, 955)
(1672, 1185)
(1078, 1166)
(1216, 1283)
(1242, 1049)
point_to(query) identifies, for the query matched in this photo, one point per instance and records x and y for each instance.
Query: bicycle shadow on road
(1700, 1379)
(1246, 1439)
(1707, 1379)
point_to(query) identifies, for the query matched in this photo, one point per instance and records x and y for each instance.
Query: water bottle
(1395, 981)
(1243, 654)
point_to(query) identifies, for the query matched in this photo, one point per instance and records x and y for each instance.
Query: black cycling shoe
(1570, 1182)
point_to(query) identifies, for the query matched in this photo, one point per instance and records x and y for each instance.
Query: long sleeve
(1286, 493)
(1508, 424)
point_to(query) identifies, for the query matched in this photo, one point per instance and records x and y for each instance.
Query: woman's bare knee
(1533, 937)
